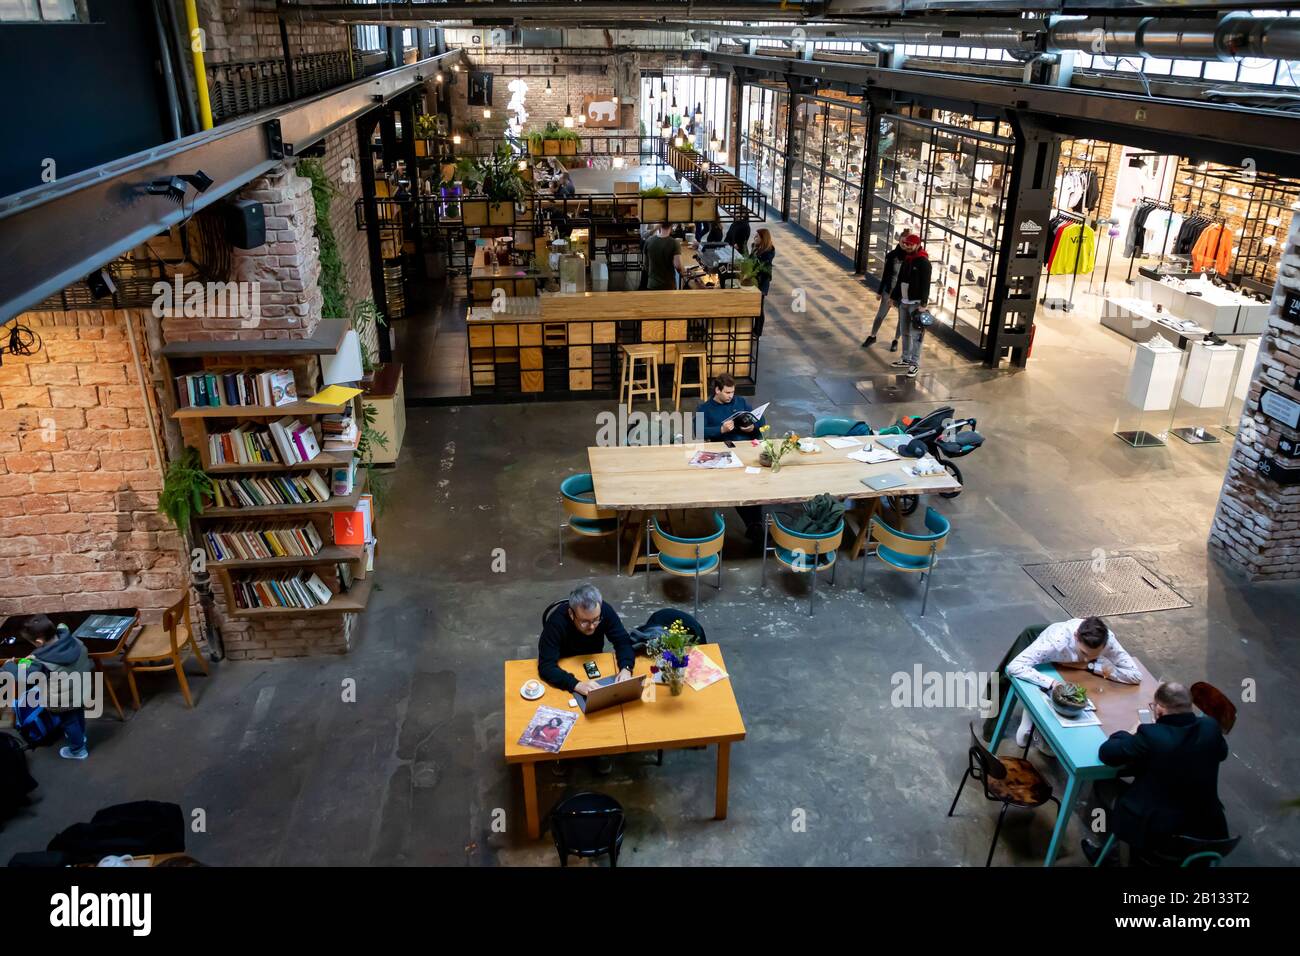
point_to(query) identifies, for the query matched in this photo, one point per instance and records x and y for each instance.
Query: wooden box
(388, 400)
(474, 212)
(654, 210)
(679, 209)
(501, 214)
(704, 209)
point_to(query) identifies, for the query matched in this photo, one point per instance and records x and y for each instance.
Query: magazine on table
(548, 728)
(714, 459)
(701, 671)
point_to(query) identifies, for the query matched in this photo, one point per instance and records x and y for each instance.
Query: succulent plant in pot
(1068, 699)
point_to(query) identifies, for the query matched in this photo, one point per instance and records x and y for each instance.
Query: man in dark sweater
(582, 628)
(1175, 766)
(722, 422)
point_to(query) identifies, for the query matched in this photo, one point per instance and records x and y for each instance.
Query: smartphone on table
(592, 670)
(1145, 716)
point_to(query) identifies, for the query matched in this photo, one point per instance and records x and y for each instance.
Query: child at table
(57, 651)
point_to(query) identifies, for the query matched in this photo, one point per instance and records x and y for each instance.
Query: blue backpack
(37, 725)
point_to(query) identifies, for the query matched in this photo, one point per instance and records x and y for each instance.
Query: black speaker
(480, 89)
(245, 224)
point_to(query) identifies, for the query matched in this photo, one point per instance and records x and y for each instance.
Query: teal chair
(801, 553)
(686, 557)
(1181, 851)
(832, 426)
(577, 503)
(912, 553)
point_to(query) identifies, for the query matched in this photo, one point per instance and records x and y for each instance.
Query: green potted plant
(751, 269)
(426, 128)
(186, 490)
(535, 143)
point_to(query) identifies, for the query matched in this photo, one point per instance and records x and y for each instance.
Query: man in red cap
(914, 293)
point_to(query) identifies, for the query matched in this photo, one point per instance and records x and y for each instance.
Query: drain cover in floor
(1114, 586)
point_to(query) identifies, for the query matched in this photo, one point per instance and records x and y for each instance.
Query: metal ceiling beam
(55, 235)
(1270, 138)
(498, 10)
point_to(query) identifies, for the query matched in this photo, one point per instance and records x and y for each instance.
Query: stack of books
(296, 441)
(252, 542)
(214, 389)
(271, 490)
(300, 590)
(339, 432)
(245, 445)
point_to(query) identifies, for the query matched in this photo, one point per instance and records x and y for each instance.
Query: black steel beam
(1271, 138)
(54, 235)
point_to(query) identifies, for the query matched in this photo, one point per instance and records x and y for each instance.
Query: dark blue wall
(80, 94)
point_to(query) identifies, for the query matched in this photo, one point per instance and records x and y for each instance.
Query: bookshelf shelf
(257, 411)
(329, 554)
(327, 339)
(336, 503)
(326, 459)
(353, 600)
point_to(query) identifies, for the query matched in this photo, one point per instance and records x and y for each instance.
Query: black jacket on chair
(1175, 791)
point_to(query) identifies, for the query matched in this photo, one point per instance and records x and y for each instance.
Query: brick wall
(1257, 523)
(342, 165)
(79, 527)
(288, 270)
(249, 30)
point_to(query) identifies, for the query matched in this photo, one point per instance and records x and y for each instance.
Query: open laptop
(611, 692)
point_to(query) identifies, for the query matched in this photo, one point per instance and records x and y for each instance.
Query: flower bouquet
(671, 651)
(770, 454)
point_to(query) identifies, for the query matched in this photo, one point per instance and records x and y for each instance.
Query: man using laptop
(582, 628)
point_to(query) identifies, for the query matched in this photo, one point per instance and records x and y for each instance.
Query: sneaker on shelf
(67, 753)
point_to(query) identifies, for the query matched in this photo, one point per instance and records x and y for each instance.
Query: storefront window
(830, 137)
(762, 140)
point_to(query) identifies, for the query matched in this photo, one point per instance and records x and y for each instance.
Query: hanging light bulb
(456, 139)
(548, 86)
(618, 162)
(487, 112)
(699, 114)
(614, 99)
(715, 145)
(582, 119)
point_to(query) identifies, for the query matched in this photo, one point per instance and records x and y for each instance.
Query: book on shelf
(349, 528)
(343, 478)
(345, 576)
(244, 445)
(253, 542)
(339, 432)
(259, 492)
(295, 441)
(217, 389)
(302, 589)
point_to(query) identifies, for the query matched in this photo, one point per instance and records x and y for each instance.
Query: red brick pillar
(1257, 523)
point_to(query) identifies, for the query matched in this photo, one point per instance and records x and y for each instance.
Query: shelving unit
(762, 160)
(826, 177)
(196, 423)
(949, 183)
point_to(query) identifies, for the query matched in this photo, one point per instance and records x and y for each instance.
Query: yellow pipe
(200, 72)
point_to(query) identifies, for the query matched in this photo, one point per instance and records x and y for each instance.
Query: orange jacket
(1213, 249)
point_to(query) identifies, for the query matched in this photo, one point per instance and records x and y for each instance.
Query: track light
(100, 284)
(173, 187)
(199, 180)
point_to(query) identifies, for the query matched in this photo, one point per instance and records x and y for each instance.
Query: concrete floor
(411, 773)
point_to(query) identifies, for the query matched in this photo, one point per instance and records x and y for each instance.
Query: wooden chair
(687, 557)
(1212, 702)
(159, 647)
(913, 553)
(629, 388)
(1011, 781)
(801, 553)
(701, 354)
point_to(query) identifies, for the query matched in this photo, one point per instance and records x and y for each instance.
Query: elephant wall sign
(601, 111)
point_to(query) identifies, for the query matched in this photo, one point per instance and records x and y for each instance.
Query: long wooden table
(650, 478)
(692, 719)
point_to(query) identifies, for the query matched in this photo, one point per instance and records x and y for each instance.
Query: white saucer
(532, 690)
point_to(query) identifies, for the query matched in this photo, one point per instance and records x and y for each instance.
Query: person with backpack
(57, 652)
(913, 294)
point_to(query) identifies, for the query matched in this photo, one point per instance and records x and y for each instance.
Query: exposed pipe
(200, 71)
(169, 75)
(1232, 37)
(437, 13)
(174, 40)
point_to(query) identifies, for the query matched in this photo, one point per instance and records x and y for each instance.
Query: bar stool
(701, 354)
(629, 386)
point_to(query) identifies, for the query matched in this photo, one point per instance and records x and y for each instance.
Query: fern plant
(185, 488)
(333, 278)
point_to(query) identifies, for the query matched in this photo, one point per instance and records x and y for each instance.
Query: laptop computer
(611, 692)
(884, 482)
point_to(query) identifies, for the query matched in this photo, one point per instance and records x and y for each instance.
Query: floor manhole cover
(1104, 588)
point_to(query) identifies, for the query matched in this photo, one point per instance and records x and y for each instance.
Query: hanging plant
(333, 278)
(186, 486)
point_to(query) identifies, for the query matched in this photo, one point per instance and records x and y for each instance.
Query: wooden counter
(558, 344)
(515, 280)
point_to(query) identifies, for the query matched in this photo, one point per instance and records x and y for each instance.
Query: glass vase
(675, 678)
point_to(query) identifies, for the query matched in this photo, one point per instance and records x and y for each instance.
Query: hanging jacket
(1213, 250)
(914, 278)
(1076, 251)
(1092, 191)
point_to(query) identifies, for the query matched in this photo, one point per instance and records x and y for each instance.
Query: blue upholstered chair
(801, 553)
(912, 553)
(687, 557)
(832, 426)
(577, 503)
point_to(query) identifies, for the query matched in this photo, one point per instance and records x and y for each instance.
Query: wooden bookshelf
(329, 554)
(327, 339)
(257, 411)
(351, 601)
(336, 503)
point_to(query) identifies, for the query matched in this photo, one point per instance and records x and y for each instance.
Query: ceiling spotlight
(199, 180)
(100, 284)
(173, 187)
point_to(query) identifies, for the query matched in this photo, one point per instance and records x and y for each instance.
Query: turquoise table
(1077, 747)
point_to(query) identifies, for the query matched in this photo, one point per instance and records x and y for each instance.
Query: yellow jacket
(1075, 251)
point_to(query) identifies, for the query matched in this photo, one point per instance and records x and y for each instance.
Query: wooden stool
(699, 353)
(629, 385)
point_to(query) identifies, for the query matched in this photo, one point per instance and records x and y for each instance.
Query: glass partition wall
(826, 172)
(762, 160)
(949, 182)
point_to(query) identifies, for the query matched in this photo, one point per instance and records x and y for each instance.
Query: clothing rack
(1067, 304)
(1099, 165)
(1152, 204)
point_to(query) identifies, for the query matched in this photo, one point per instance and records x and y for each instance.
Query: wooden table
(694, 718)
(657, 478)
(1077, 747)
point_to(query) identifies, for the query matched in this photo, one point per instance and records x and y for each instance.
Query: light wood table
(653, 478)
(692, 719)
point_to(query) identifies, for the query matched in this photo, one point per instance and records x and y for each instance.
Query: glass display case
(949, 183)
(763, 117)
(826, 178)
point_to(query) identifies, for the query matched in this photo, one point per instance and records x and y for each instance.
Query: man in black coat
(582, 629)
(1175, 766)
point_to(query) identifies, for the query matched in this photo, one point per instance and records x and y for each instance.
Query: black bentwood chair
(587, 825)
